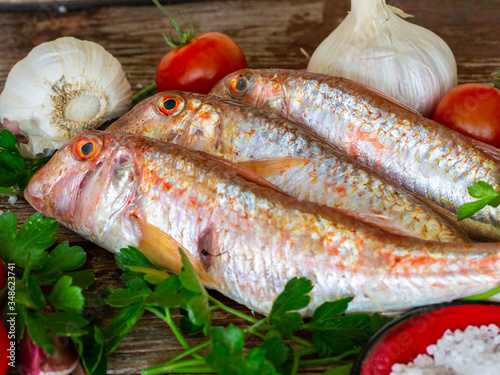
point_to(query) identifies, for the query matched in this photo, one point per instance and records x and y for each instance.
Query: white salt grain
(476, 350)
(13, 199)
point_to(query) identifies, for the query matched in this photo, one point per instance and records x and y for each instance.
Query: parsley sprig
(14, 168)
(148, 288)
(487, 196)
(48, 291)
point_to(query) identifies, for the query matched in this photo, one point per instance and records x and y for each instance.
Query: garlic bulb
(62, 88)
(375, 47)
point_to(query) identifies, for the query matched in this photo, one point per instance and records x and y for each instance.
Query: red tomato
(200, 64)
(3, 275)
(472, 109)
(4, 347)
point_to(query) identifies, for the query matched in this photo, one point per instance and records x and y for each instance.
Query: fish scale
(244, 134)
(424, 157)
(243, 236)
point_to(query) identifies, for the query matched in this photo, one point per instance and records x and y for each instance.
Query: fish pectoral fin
(274, 166)
(163, 251)
(242, 172)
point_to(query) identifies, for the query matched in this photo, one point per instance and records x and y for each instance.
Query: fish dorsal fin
(273, 166)
(489, 150)
(163, 251)
(380, 221)
(241, 171)
(388, 98)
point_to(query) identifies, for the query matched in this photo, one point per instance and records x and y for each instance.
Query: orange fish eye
(86, 147)
(239, 85)
(171, 105)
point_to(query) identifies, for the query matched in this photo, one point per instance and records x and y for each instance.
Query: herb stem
(194, 366)
(495, 77)
(167, 317)
(328, 360)
(230, 310)
(190, 351)
(143, 93)
(482, 296)
(301, 341)
(296, 358)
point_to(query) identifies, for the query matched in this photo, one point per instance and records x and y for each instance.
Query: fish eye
(171, 105)
(239, 85)
(86, 147)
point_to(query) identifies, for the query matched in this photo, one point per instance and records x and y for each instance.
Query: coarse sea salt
(476, 350)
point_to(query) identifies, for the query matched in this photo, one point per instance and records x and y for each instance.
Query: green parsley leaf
(132, 257)
(91, 349)
(14, 168)
(35, 236)
(65, 323)
(12, 164)
(294, 297)
(8, 142)
(66, 297)
(30, 294)
(82, 278)
(167, 293)
(197, 304)
(61, 258)
(137, 264)
(186, 325)
(38, 331)
(121, 325)
(337, 335)
(135, 290)
(378, 321)
(487, 196)
(278, 352)
(227, 355)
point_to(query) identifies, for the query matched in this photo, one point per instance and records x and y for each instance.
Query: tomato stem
(495, 77)
(184, 36)
(143, 93)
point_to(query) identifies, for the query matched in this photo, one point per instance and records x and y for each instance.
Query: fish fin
(163, 251)
(243, 172)
(489, 150)
(273, 166)
(381, 221)
(446, 215)
(389, 98)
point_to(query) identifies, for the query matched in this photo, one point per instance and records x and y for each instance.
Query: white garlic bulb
(377, 48)
(62, 88)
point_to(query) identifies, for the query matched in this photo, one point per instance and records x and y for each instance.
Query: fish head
(87, 182)
(256, 88)
(187, 119)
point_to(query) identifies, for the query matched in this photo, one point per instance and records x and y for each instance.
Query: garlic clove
(375, 47)
(63, 88)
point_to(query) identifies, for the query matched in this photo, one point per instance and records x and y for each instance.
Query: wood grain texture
(270, 32)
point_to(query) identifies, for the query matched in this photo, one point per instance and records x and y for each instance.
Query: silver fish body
(245, 238)
(287, 155)
(422, 156)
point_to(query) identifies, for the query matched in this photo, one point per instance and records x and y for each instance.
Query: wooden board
(270, 32)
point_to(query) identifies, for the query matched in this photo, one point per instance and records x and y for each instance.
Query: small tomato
(3, 275)
(4, 347)
(472, 109)
(197, 64)
(200, 64)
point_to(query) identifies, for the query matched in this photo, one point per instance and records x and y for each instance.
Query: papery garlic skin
(375, 47)
(61, 89)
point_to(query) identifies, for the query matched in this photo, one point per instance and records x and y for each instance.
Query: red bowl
(409, 335)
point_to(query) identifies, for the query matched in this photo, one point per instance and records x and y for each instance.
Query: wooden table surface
(270, 32)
